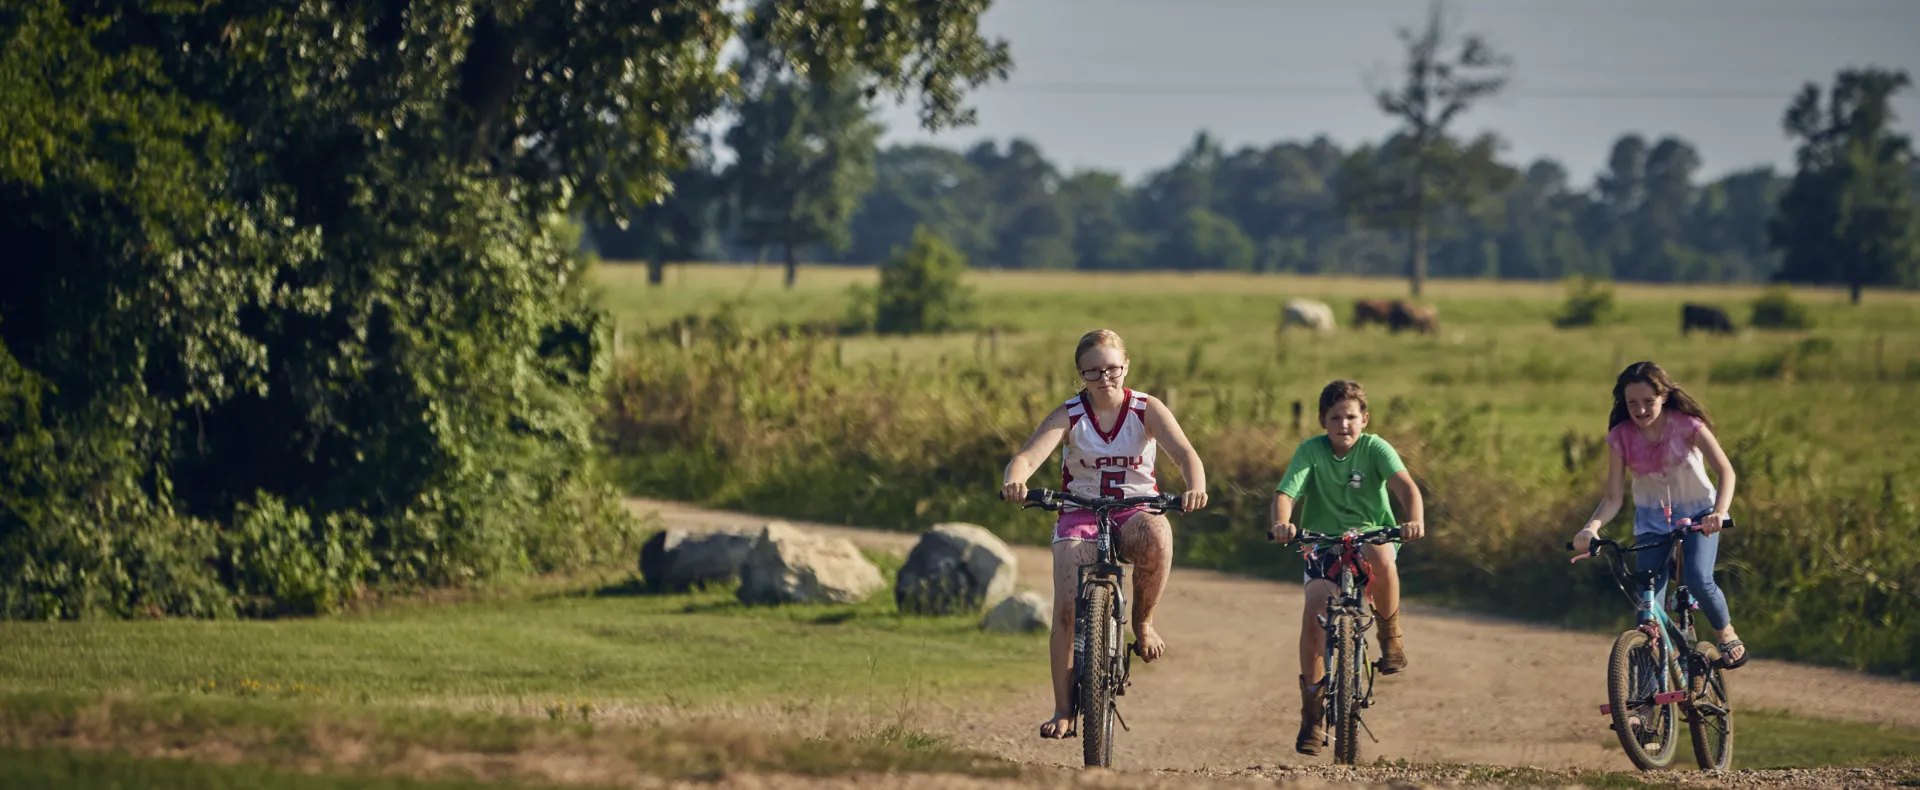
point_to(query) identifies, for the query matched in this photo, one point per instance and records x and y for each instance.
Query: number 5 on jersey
(1110, 483)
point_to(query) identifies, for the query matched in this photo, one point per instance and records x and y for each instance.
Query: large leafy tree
(1421, 170)
(290, 304)
(1848, 216)
(803, 151)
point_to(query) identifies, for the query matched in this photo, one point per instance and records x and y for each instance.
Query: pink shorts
(1084, 525)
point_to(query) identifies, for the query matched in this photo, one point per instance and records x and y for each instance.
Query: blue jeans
(1698, 554)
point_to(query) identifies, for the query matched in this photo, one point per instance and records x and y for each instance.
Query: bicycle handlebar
(1054, 500)
(1686, 526)
(1378, 537)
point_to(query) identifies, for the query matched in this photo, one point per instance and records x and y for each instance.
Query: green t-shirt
(1335, 494)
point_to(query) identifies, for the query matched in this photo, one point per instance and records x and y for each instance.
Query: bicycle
(1656, 666)
(1346, 622)
(1100, 665)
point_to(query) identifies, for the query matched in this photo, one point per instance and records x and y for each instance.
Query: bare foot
(1060, 726)
(1148, 643)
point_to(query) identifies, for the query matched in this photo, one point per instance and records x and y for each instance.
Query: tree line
(809, 181)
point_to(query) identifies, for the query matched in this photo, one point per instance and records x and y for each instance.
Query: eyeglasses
(1108, 373)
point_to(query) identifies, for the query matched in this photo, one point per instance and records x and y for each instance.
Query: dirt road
(1479, 689)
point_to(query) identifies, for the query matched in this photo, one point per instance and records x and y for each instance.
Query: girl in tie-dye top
(1662, 437)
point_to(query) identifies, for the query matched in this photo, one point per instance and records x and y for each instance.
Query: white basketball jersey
(1112, 460)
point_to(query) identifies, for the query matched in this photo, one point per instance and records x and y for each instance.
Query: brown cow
(1372, 311)
(1407, 314)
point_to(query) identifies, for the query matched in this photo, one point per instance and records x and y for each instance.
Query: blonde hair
(1098, 338)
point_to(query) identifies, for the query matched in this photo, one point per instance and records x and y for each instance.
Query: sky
(1124, 85)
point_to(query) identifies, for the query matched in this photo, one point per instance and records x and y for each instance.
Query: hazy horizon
(1115, 85)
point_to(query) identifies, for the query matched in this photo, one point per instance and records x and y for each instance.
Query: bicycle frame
(1105, 571)
(1352, 573)
(1673, 640)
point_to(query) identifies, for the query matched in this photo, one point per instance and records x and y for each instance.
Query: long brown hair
(1656, 377)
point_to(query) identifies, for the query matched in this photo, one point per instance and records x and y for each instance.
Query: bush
(1589, 303)
(1777, 309)
(920, 291)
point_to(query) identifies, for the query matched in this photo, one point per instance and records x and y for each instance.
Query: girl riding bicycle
(1111, 435)
(1345, 476)
(1663, 437)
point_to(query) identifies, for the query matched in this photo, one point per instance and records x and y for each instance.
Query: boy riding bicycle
(1345, 476)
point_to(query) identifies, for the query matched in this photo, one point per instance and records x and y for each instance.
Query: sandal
(1726, 649)
(1046, 732)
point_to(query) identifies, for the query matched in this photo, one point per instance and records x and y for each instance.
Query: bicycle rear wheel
(1344, 690)
(1646, 729)
(1711, 717)
(1097, 678)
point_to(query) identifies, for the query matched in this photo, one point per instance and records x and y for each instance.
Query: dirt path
(1479, 689)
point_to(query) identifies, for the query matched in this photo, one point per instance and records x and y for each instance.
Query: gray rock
(786, 565)
(1027, 611)
(954, 569)
(677, 559)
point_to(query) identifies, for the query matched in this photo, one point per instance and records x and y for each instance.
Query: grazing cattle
(1313, 315)
(1371, 311)
(1700, 316)
(1421, 317)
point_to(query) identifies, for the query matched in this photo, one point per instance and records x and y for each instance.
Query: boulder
(786, 565)
(677, 559)
(955, 569)
(1027, 611)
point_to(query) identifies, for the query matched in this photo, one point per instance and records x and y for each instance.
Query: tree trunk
(1853, 291)
(793, 267)
(1417, 255)
(656, 267)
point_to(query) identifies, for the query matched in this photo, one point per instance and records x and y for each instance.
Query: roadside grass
(426, 744)
(613, 646)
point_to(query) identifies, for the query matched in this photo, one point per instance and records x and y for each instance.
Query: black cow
(1699, 316)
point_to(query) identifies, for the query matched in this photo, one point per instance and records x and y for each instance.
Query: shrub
(1777, 309)
(920, 290)
(1589, 303)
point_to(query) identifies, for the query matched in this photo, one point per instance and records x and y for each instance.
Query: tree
(1848, 215)
(1433, 190)
(1203, 240)
(1428, 170)
(675, 225)
(291, 304)
(919, 185)
(803, 156)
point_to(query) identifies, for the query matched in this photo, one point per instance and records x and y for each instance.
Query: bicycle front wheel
(1646, 728)
(1098, 678)
(1344, 689)
(1711, 718)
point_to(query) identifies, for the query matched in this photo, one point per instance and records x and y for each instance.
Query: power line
(1782, 95)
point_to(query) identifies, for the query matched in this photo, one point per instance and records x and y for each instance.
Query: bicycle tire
(1712, 733)
(1344, 694)
(1096, 688)
(1633, 657)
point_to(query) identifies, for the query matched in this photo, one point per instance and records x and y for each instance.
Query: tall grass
(1499, 418)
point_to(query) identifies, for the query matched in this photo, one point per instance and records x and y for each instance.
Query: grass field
(1202, 334)
(1500, 416)
(612, 646)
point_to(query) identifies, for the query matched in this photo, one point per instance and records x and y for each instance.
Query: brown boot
(1393, 654)
(1313, 713)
